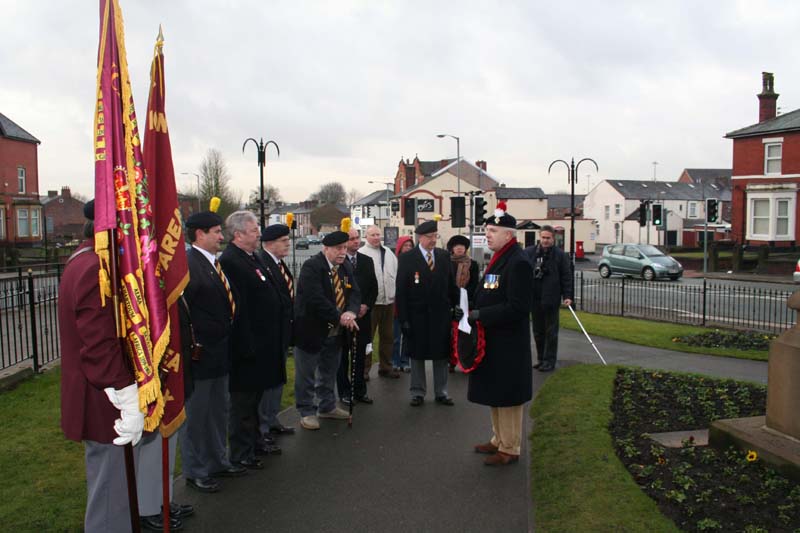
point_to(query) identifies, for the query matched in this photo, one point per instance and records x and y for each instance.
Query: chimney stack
(65, 192)
(481, 164)
(767, 100)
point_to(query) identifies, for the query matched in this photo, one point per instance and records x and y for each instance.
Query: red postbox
(578, 249)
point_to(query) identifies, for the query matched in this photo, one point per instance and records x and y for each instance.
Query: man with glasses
(426, 295)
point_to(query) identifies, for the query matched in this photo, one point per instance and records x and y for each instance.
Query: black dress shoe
(207, 484)
(365, 399)
(537, 365)
(281, 430)
(156, 523)
(180, 510)
(232, 471)
(546, 367)
(268, 449)
(345, 400)
(416, 401)
(252, 464)
(445, 400)
(268, 439)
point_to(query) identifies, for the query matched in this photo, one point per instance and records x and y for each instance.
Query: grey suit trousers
(204, 435)
(148, 472)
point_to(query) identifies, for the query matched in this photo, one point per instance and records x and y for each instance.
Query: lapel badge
(347, 283)
(416, 278)
(260, 275)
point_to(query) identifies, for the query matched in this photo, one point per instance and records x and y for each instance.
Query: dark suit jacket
(91, 353)
(257, 356)
(556, 284)
(210, 314)
(287, 304)
(315, 310)
(425, 300)
(368, 285)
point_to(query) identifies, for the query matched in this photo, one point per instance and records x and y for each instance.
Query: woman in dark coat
(503, 378)
(465, 272)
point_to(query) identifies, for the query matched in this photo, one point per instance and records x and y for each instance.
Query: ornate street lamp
(572, 169)
(262, 160)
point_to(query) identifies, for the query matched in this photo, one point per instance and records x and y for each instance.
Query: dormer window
(773, 153)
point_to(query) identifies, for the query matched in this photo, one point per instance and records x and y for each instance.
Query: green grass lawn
(44, 481)
(649, 333)
(577, 481)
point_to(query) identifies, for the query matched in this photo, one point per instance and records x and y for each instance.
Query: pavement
(402, 468)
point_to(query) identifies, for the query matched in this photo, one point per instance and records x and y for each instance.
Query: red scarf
(502, 251)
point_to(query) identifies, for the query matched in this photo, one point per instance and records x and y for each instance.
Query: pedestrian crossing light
(712, 210)
(480, 211)
(642, 212)
(658, 215)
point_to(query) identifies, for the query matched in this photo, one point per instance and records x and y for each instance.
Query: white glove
(130, 426)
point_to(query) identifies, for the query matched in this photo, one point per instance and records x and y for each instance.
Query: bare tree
(330, 193)
(271, 198)
(215, 181)
(352, 196)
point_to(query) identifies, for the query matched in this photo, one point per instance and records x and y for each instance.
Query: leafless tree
(330, 193)
(215, 181)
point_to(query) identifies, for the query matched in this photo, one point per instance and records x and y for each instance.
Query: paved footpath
(408, 469)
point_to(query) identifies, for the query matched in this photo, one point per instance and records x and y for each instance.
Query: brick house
(717, 183)
(766, 174)
(558, 205)
(20, 209)
(63, 216)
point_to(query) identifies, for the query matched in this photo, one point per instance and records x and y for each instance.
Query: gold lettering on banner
(168, 397)
(170, 241)
(158, 121)
(141, 356)
(133, 315)
(174, 361)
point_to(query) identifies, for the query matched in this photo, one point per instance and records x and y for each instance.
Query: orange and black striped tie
(430, 261)
(288, 279)
(338, 291)
(227, 287)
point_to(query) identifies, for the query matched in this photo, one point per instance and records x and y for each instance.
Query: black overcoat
(556, 282)
(256, 347)
(287, 303)
(504, 378)
(424, 300)
(368, 285)
(315, 310)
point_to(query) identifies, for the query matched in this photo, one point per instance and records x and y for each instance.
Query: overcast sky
(346, 88)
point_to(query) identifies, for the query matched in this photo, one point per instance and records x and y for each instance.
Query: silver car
(638, 260)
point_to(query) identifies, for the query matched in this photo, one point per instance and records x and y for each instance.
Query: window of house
(617, 209)
(771, 216)
(772, 158)
(692, 209)
(22, 223)
(35, 213)
(607, 211)
(21, 178)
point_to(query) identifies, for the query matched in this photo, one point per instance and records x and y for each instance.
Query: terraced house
(20, 209)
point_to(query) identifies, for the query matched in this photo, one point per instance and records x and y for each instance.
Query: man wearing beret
(99, 395)
(206, 314)
(326, 307)
(503, 378)
(426, 295)
(257, 359)
(275, 246)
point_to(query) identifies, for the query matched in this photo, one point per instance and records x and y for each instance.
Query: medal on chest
(491, 281)
(260, 275)
(416, 278)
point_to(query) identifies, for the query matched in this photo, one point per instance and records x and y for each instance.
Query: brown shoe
(500, 459)
(388, 374)
(488, 448)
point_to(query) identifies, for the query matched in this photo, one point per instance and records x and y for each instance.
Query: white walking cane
(587, 335)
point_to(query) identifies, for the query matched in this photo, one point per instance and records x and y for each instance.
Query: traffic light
(410, 211)
(457, 212)
(712, 210)
(658, 214)
(480, 211)
(642, 212)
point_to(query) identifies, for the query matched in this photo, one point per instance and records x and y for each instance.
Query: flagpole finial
(160, 38)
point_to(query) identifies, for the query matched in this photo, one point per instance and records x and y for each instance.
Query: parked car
(796, 274)
(313, 239)
(638, 260)
(301, 244)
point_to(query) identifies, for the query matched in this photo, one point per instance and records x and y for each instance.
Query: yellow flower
(662, 461)
(751, 456)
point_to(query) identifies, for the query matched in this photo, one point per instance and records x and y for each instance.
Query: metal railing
(707, 304)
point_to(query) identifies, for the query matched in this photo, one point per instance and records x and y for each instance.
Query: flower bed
(741, 340)
(699, 488)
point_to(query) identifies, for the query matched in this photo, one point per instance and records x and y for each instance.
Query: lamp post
(261, 146)
(458, 172)
(655, 164)
(198, 187)
(388, 210)
(572, 169)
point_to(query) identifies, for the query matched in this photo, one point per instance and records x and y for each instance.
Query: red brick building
(20, 210)
(766, 174)
(63, 216)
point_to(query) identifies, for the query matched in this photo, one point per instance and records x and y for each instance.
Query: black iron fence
(703, 304)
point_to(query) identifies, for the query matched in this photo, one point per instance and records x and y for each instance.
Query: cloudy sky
(347, 88)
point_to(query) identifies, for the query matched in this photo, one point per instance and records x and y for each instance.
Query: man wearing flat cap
(327, 304)
(426, 295)
(206, 313)
(275, 246)
(503, 378)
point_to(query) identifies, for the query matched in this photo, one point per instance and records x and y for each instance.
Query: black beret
(335, 238)
(274, 232)
(429, 226)
(88, 209)
(504, 221)
(203, 220)
(455, 240)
